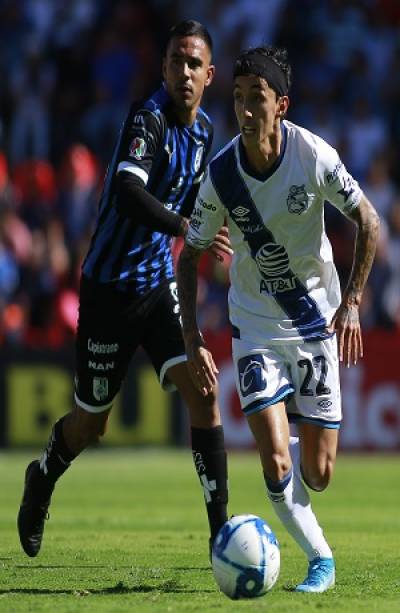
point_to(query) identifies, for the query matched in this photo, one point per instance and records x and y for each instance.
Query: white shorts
(305, 375)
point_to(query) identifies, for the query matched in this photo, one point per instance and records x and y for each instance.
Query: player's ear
(210, 75)
(282, 107)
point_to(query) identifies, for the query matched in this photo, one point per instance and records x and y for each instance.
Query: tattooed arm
(346, 321)
(201, 365)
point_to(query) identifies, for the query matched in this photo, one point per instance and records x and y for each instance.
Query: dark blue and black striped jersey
(169, 158)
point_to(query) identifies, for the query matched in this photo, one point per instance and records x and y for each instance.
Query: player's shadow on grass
(130, 566)
(169, 587)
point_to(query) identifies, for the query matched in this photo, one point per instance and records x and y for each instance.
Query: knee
(277, 466)
(319, 476)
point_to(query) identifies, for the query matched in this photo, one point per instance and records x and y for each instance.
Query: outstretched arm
(346, 321)
(201, 365)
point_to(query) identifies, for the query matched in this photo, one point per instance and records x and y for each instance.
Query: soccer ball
(245, 557)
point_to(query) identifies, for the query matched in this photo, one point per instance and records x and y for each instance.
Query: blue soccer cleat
(321, 576)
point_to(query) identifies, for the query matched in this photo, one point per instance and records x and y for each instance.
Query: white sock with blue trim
(291, 503)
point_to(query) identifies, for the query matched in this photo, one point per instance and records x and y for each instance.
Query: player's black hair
(189, 27)
(278, 55)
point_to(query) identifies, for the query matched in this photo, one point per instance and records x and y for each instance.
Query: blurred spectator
(78, 191)
(366, 137)
(379, 187)
(31, 86)
(70, 70)
(36, 187)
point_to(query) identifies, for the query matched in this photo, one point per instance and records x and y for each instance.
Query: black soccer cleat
(33, 512)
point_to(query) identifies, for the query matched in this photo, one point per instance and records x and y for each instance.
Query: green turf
(128, 533)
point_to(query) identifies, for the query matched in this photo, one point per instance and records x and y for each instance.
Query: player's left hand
(221, 245)
(201, 365)
(346, 324)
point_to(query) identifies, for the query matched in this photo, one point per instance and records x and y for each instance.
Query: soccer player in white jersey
(291, 326)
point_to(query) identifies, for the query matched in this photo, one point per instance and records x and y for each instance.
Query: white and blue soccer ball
(245, 557)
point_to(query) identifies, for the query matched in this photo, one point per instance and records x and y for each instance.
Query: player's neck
(263, 156)
(186, 117)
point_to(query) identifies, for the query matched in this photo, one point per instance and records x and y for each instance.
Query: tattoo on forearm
(367, 236)
(187, 288)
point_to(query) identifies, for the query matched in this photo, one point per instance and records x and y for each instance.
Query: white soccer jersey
(284, 285)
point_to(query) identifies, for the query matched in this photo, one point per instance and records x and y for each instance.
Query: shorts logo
(95, 347)
(100, 388)
(297, 200)
(100, 366)
(137, 148)
(251, 374)
(324, 404)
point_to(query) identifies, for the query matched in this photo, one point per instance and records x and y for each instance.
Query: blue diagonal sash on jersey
(291, 296)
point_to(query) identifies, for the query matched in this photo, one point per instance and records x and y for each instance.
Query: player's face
(258, 109)
(187, 71)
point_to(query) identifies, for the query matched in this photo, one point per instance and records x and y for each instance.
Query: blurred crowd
(71, 69)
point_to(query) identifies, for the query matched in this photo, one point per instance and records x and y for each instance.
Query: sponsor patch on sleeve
(138, 148)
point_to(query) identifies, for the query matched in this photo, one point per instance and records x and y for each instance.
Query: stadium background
(69, 71)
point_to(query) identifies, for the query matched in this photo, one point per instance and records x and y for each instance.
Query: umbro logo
(240, 211)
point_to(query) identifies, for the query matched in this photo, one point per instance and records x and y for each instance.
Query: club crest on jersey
(137, 148)
(100, 388)
(198, 158)
(297, 200)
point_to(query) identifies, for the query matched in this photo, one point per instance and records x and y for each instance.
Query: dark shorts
(111, 326)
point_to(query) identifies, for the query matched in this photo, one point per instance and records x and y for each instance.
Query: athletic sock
(55, 460)
(291, 503)
(209, 458)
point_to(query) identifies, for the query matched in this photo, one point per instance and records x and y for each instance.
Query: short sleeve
(140, 144)
(335, 182)
(207, 216)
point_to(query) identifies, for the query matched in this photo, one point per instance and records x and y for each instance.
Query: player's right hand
(221, 244)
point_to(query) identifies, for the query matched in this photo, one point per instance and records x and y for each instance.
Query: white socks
(291, 503)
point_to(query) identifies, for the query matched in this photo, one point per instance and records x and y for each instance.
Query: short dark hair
(189, 27)
(277, 54)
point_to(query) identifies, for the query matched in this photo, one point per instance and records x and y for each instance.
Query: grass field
(128, 533)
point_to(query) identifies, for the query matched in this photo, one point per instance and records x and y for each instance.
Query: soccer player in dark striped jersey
(128, 294)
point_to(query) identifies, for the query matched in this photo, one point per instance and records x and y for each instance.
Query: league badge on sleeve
(138, 148)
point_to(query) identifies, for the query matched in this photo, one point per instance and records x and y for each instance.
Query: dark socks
(209, 457)
(55, 460)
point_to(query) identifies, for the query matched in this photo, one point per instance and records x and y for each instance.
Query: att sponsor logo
(95, 347)
(276, 286)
